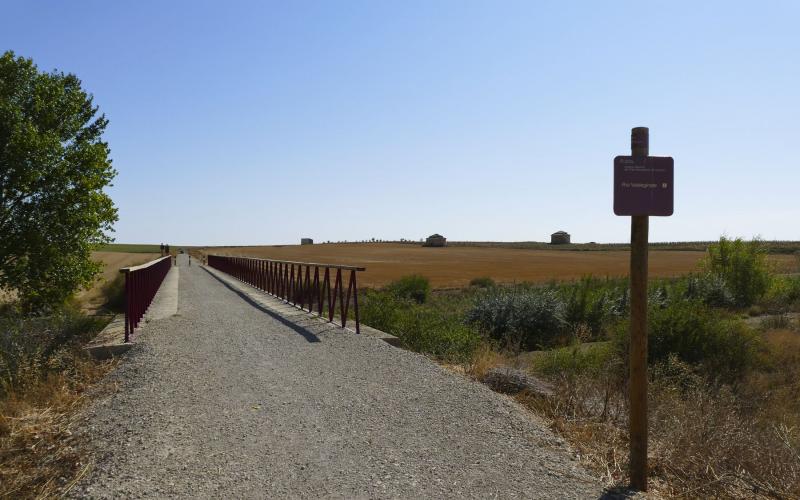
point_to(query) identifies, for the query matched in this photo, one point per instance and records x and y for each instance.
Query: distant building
(559, 238)
(435, 240)
(306, 241)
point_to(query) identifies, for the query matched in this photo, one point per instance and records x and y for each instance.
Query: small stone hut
(435, 240)
(306, 241)
(559, 238)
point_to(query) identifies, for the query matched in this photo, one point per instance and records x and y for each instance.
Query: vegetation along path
(225, 399)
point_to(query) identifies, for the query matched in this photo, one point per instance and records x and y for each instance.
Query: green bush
(620, 305)
(483, 282)
(414, 287)
(743, 266)
(427, 330)
(381, 310)
(577, 359)
(523, 319)
(591, 302)
(434, 328)
(699, 335)
(784, 291)
(710, 289)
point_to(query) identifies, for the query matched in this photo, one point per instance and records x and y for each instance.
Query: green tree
(744, 267)
(53, 168)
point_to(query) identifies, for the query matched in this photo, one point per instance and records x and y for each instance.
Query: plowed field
(456, 266)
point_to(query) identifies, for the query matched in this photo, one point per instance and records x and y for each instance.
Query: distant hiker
(190, 260)
(166, 247)
(162, 249)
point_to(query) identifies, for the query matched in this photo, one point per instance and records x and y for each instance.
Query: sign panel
(643, 186)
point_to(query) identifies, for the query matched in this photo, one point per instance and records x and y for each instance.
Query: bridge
(235, 395)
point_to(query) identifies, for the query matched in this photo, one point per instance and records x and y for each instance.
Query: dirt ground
(456, 266)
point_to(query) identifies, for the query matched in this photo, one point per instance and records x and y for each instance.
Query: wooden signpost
(643, 186)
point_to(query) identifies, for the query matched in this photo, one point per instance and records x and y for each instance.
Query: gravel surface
(226, 400)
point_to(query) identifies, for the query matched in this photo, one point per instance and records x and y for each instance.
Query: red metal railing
(305, 285)
(141, 284)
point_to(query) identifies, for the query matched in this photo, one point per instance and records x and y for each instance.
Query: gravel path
(225, 400)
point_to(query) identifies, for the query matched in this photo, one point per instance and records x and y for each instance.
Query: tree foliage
(744, 267)
(53, 168)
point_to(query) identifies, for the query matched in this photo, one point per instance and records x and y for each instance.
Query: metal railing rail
(301, 284)
(141, 284)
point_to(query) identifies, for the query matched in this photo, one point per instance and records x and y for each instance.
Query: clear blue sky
(261, 122)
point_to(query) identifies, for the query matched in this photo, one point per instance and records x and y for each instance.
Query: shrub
(44, 375)
(414, 287)
(658, 296)
(620, 306)
(722, 344)
(707, 441)
(30, 348)
(775, 322)
(577, 359)
(709, 288)
(426, 330)
(483, 282)
(381, 310)
(586, 304)
(713, 443)
(434, 328)
(783, 291)
(743, 266)
(522, 319)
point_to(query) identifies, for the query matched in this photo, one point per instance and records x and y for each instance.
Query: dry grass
(485, 359)
(702, 444)
(39, 455)
(705, 441)
(451, 267)
(94, 298)
(44, 376)
(712, 443)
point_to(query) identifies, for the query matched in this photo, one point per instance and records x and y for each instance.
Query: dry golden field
(112, 263)
(455, 266)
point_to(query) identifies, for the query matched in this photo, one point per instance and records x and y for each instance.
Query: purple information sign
(643, 186)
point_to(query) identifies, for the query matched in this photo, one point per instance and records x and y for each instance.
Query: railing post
(342, 308)
(326, 289)
(263, 275)
(346, 303)
(285, 287)
(127, 309)
(307, 289)
(355, 303)
(336, 285)
(318, 290)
